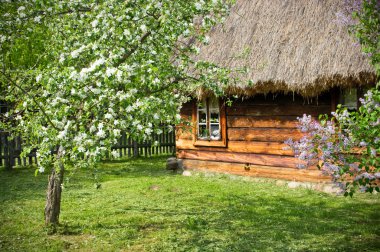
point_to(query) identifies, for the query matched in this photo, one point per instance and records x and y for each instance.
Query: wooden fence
(10, 150)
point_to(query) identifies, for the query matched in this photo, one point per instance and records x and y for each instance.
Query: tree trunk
(53, 195)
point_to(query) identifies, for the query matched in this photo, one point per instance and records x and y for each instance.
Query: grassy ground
(142, 207)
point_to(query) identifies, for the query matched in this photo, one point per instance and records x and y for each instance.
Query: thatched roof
(288, 46)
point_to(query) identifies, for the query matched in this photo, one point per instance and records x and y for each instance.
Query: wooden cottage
(300, 61)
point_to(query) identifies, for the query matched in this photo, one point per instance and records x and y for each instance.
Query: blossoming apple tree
(77, 73)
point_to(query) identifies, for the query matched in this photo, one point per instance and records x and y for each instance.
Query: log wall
(256, 130)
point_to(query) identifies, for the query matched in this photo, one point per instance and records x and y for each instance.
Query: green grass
(142, 207)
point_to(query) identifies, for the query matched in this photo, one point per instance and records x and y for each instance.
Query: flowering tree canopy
(347, 145)
(77, 73)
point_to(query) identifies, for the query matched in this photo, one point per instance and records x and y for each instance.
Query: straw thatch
(288, 46)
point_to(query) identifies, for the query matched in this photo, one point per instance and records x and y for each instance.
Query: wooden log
(292, 174)
(184, 134)
(278, 110)
(284, 100)
(272, 148)
(262, 121)
(263, 134)
(245, 158)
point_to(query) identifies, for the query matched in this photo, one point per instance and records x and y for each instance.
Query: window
(208, 120)
(210, 123)
(349, 98)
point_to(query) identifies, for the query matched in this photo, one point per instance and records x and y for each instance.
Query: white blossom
(110, 71)
(94, 23)
(81, 149)
(115, 154)
(143, 28)
(75, 53)
(62, 58)
(101, 133)
(41, 169)
(37, 19)
(92, 128)
(148, 131)
(21, 8)
(116, 132)
(62, 134)
(108, 116)
(38, 78)
(199, 5)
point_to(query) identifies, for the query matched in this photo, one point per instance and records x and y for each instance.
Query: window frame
(222, 142)
(344, 96)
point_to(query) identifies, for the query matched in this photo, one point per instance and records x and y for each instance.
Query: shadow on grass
(287, 224)
(136, 167)
(244, 224)
(20, 183)
(207, 217)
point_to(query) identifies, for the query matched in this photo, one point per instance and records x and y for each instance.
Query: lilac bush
(345, 146)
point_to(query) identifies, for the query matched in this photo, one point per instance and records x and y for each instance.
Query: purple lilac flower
(326, 154)
(336, 176)
(363, 144)
(369, 176)
(301, 166)
(289, 142)
(365, 175)
(346, 142)
(344, 17)
(363, 188)
(373, 152)
(304, 122)
(376, 123)
(354, 167)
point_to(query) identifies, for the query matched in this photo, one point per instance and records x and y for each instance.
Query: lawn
(142, 207)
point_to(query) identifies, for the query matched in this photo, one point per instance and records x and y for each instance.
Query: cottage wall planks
(259, 170)
(256, 130)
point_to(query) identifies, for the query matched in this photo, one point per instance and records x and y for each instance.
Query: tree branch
(134, 49)
(33, 98)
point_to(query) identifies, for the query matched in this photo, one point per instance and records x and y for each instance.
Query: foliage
(367, 30)
(347, 146)
(78, 72)
(143, 207)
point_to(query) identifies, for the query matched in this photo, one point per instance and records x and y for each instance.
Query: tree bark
(53, 194)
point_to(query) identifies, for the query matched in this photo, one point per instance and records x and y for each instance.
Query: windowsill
(210, 143)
